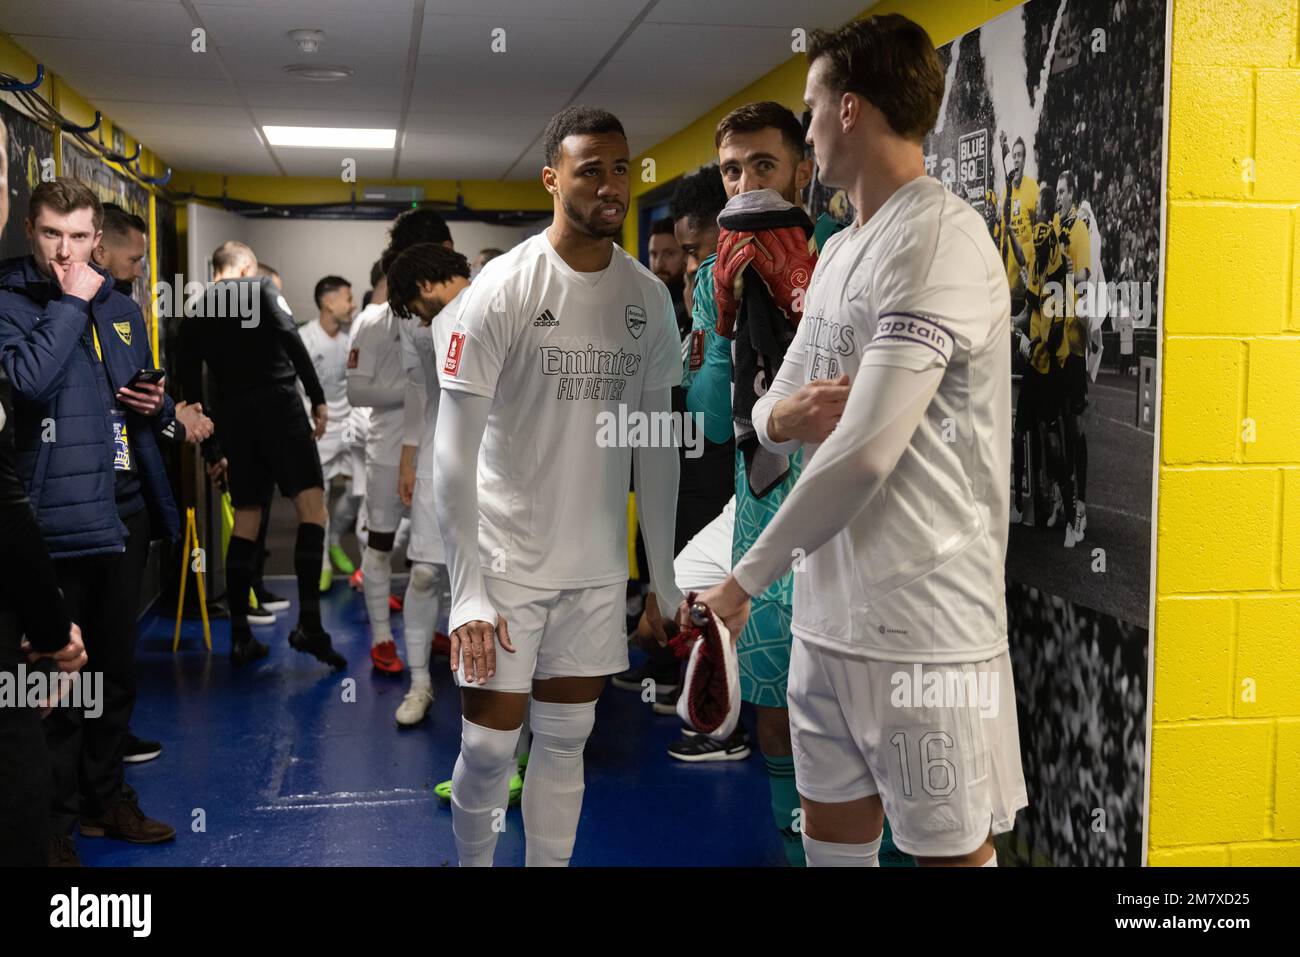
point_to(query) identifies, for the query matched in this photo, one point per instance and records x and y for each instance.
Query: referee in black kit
(243, 330)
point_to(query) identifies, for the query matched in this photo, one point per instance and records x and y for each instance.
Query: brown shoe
(63, 853)
(126, 822)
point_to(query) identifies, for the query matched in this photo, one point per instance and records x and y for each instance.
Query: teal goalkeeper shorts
(764, 653)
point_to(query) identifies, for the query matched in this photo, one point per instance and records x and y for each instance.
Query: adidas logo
(942, 820)
(546, 319)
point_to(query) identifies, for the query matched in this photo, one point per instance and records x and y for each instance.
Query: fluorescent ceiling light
(327, 137)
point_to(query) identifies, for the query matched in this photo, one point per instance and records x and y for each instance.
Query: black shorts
(1029, 400)
(1051, 400)
(1076, 384)
(268, 442)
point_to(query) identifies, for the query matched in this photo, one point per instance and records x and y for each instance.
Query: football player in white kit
(326, 338)
(377, 381)
(553, 337)
(444, 273)
(402, 365)
(901, 510)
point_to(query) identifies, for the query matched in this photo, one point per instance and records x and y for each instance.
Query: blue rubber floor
(271, 765)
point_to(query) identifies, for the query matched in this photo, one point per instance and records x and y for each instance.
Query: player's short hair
(890, 62)
(661, 226)
(423, 262)
(119, 224)
(699, 196)
(64, 195)
(421, 225)
(328, 285)
(376, 272)
(266, 269)
(1020, 141)
(232, 254)
(490, 253)
(763, 115)
(576, 121)
(1070, 180)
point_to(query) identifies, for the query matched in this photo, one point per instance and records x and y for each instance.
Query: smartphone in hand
(151, 376)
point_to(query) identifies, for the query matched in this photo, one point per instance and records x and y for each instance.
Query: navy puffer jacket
(63, 427)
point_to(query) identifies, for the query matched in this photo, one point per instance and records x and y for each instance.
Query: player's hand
(145, 398)
(78, 279)
(319, 416)
(651, 624)
(728, 601)
(406, 477)
(70, 658)
(811, 414)
(218, 470)
(197, 425)
(473, 646)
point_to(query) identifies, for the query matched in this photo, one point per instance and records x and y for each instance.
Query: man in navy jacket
(87, 453)
(121, 251)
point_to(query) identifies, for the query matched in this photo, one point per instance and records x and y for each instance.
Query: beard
(591, 225)
(435, 306)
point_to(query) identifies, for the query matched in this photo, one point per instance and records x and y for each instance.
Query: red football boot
(384, 657)
(395, 604)
(357, 580)
(441, 645)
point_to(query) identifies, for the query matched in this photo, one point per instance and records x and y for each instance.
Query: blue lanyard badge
(123, 461)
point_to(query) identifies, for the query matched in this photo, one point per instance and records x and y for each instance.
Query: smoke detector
(308, 41)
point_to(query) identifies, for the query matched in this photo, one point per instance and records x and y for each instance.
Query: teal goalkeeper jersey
(708, 393)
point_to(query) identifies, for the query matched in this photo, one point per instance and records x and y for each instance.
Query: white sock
(377, 579)
(346, 507)
(992, 861)
(420, 614)
(825, 854)
(480, 791)
(554, 784)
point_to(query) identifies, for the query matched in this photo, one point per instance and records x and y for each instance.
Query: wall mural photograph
(1051, 126)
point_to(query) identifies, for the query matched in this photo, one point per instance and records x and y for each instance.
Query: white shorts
(706, 559)
(335, 456)
(854, 721)
(574, 633)
(384, 508)
(426, 539)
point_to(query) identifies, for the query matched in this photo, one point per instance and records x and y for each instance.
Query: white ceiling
(470, 113)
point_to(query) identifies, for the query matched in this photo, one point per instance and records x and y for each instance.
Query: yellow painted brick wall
(1225, 762)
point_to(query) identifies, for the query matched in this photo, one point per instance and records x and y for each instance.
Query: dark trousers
(24, 787)
(103, 593)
